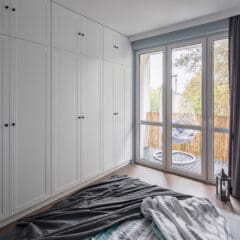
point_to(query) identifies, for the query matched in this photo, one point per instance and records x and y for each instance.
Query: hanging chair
(181, 135)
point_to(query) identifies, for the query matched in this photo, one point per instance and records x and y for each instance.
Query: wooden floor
(173, 182)
(179, 184)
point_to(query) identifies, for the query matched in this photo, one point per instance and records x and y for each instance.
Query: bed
(125, 208)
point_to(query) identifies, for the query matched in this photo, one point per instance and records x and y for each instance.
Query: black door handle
(13, 9)
(13, 124)
(6, 7)
(115, 113)
(6, 125)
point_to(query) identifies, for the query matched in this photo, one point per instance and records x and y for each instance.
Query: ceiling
(132, 17)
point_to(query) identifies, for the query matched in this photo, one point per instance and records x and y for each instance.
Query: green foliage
(193, 92)
(154, 99)
(191, 61)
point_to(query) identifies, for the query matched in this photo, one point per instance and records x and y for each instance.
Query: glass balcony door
(152, 108)
(219, 108)
(186, 115)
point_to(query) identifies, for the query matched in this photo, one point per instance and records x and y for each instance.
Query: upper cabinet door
(90, 37)
(4, 129)
(64, 28)
(124, 50)
(30, 20)
(4, 16)
(110, 45)
(90, 107)
(30, 124)
(116, 47)
(65, 121)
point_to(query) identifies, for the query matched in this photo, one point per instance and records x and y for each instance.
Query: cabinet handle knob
(6, 7)
(83, 117)
(115, 46)
(6, 125)
(80, 34)
(13, 124)
(13, 9)
(79, 117)
(83, 34)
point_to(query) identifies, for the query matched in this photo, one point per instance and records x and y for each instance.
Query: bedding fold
(193, 218)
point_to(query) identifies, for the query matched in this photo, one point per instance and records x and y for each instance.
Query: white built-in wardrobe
(65, 103)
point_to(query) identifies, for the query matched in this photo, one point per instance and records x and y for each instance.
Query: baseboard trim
(32, 210)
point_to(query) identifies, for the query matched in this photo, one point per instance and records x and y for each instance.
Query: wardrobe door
(64, 28)
(90, 37)
(119, 114)
(129, 114)
(30, 20)
(108, 115)
(65, 77)
(110, 45)
(30, 123)
(4, 16)
(4, 127)
(90, 100)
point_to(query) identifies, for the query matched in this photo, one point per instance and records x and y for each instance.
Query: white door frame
(210, 101)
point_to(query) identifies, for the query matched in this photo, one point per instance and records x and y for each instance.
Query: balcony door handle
(115, 113)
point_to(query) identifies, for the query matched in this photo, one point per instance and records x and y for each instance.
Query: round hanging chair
(181, 135)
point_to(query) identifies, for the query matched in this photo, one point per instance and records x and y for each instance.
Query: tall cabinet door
(119, 114)
(30, 124)
(65, 82)
(90, 118)
(30, 20)
(128, 114)
(108, 115)
(4, 127)
(4, 16)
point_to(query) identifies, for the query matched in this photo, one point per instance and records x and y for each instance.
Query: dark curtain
(234, 78)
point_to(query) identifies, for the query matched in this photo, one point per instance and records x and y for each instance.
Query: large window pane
(221, 84)
(186, 150)
(151, 143)
(187, 85)
(151, 87)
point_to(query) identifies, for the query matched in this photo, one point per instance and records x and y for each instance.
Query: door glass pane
(151, 143)
(220, 153)
(221, 84)
(187, 85)
(151, 87)
(186, 150)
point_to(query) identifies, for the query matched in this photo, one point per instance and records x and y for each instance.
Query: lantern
(223, 186)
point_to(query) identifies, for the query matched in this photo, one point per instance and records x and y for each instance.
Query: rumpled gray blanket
(89, 211)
